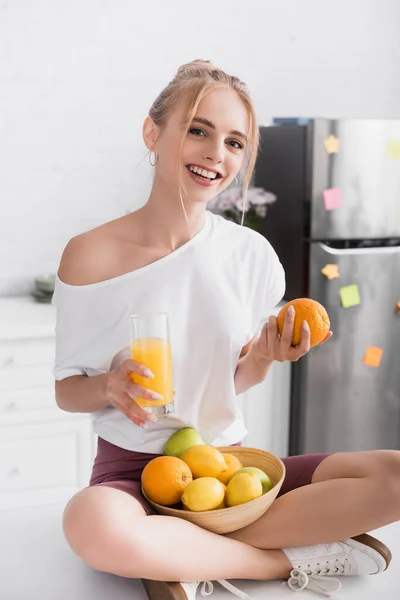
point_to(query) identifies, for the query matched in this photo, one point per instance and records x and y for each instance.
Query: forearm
(81, 394)
(250, 371)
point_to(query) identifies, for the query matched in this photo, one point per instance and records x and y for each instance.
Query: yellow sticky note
(330, 271)
(350, 295)
(393, 149)
(372, 356)
(332, 144)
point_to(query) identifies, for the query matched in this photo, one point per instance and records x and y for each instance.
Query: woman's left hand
(271, 346)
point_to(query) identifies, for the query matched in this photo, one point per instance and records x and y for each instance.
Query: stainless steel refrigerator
(338, 189)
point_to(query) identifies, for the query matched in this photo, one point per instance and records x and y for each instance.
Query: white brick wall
(78, 76)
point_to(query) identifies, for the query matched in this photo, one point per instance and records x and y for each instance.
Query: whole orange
(164, 478)
(308, 310)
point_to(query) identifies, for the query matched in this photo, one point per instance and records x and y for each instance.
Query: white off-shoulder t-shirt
(216, 288)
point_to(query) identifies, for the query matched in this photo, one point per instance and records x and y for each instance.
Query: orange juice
(155, 354)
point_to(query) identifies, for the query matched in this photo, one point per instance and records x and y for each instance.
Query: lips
(218, 174)
(203, 181)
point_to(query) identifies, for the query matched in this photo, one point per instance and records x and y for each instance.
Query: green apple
(181, 440)
(263, 477)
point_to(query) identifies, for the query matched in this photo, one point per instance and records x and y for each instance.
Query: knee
(387, 472)
(97, 531)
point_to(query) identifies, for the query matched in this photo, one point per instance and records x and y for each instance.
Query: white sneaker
(160, 590)
(314, 567)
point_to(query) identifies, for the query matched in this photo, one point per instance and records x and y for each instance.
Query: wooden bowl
(225, 520)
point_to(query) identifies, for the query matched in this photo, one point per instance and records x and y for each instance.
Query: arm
(258, 355)
(81, 394)
(250, 371)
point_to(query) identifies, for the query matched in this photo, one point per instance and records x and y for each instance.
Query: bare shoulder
(95, 255)
(85, 257)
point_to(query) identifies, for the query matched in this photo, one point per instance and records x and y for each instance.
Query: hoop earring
(156, 155)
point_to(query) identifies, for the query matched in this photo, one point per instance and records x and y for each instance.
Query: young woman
(216, 280)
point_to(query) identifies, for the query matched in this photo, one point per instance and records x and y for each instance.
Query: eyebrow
(212, 126)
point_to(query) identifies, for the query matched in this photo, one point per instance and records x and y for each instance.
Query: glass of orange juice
(151, 346)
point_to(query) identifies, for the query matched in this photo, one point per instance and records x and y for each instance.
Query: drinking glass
(151, 346)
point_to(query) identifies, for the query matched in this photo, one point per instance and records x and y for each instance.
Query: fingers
(287, 333)
(134, 389)
(271, 330)
(293, 353)
(132, 366)
(327, 337)
(135, 413)
(304, 345)
(272, 339)
(121, 390)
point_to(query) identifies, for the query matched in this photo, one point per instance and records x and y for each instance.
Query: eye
(196, 131)
(235, 144)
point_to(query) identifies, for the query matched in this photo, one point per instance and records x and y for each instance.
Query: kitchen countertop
(23, 317)
(38, 564)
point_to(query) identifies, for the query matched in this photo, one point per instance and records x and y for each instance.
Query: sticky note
(332, 144)
(350, 295)
(393, 149)
(333, 198)
(372, 356)
(330, 271)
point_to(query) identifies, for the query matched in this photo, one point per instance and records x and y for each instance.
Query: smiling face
(213, 149)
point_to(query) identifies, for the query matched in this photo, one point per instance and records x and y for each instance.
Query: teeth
(199, 171)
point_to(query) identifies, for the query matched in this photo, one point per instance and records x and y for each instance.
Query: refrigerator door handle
(360, 251)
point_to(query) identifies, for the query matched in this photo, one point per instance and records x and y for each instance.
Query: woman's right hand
(119, 385)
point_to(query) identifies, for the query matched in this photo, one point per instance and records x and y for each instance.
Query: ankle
(278, 565)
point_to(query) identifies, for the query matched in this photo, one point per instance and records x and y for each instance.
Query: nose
(214, 153)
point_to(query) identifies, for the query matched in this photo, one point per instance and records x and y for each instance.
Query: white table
(37, 564)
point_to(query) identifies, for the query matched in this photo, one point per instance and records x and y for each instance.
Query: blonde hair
(191, 83)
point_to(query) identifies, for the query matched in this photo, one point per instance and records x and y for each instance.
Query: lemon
(263, 477)
(204, 493)
(233, 465)
(242, 488)
(204, 461)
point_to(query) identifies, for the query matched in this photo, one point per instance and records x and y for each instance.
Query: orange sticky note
(330, 271)
(332, 144)
(333, 198)
(372, 356)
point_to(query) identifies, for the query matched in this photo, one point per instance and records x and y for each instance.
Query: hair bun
(194, 67)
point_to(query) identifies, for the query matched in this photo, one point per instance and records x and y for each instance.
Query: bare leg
(110, 531)
(350, 493)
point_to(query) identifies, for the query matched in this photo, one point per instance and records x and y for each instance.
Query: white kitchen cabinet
(46, 454)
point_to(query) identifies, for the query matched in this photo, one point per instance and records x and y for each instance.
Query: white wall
(78, 76)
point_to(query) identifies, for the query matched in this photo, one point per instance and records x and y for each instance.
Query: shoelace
(207, 587)
(301, 579)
